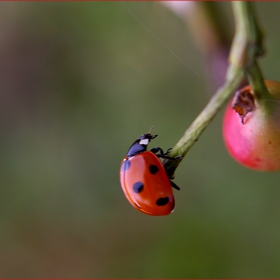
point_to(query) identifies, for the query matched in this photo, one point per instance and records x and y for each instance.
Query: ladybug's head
(140, 145)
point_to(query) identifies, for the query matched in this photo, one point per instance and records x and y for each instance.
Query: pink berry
(251, 128)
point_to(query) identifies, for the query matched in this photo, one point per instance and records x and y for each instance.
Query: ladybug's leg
(168, 150)
(157, 149)
(162, 154)
(173, 185)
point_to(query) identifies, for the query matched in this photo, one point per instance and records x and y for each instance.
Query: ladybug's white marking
(144, 142)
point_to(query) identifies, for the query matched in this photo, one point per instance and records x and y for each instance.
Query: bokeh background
(79, 82)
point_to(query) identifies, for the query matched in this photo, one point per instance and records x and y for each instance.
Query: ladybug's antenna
(149, 132)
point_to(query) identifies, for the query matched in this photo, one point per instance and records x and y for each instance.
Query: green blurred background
(79, 83)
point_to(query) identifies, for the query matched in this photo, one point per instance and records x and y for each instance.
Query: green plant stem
(245, 48)
(250, 26)
(256, 81)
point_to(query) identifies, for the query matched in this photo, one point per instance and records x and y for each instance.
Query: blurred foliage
(79, 82)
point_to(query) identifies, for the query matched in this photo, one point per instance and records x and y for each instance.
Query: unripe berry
(251, 128)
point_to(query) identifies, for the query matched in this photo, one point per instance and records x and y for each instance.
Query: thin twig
(246, 46)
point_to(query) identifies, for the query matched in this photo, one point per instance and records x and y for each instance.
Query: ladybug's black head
(140, 145)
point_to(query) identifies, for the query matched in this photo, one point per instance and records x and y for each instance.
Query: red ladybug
(144, 180)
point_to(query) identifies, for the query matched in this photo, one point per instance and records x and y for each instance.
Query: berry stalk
(246, 47)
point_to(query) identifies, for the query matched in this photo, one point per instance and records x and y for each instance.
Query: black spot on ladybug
(162, 201)
(153, 169)
(126, 164)
(138, 187)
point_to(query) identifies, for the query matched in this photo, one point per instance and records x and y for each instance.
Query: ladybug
(144, 179)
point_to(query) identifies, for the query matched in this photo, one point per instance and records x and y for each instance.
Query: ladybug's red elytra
(144, 180)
